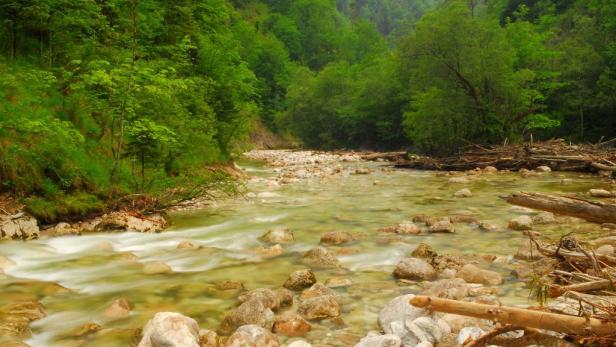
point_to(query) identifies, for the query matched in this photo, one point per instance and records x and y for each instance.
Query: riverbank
(323, 248)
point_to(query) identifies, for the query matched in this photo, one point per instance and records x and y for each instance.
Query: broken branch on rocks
(589, 210)
(556, 154)
(519, 317)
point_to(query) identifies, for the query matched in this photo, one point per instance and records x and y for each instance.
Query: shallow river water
(76, 278)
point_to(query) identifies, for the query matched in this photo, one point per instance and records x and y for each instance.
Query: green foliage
(64, 207)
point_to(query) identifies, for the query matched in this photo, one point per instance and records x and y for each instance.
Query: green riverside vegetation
(101, 99)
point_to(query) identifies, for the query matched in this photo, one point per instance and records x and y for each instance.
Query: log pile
(556, 154)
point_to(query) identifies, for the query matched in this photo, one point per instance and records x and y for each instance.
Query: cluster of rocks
(22, 226)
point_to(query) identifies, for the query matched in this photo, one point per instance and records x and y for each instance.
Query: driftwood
(591, 211)
(556, 154)
(519, 317)
(556, 290)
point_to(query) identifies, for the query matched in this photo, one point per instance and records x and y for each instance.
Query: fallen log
(556, 290)
(597, 212)
(520, 317)
(603, 167)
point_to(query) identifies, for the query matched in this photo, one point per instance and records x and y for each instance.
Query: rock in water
(376, 340)
(544, 218)
(414, 269)
(126, 221)
(273, 299)
(601, 193)
(424, 251)
(336, 238)
(252, 336)
(472, 274)
(170, 329)
(544, 168)
(251, 312)
(320, 257)
(442, 227)
(291, 324)
(424, 329)
(119, 308)
(300, 279)
(321, 307)
(521, 223)
(463, 193)
(278, 235)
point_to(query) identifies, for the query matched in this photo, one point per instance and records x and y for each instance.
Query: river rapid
(77, 277)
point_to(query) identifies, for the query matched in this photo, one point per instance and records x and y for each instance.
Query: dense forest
(103, 98)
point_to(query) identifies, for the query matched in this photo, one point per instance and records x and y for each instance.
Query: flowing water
(77, 277)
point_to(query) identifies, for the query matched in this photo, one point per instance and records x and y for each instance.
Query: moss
(65, 207)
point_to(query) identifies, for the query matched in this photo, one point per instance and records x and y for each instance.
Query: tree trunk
(591, 211)
(517, 316)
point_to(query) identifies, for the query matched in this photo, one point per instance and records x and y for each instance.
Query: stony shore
(283, 315)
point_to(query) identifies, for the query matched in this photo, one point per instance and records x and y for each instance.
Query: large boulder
(414, 269)
(291, 324)
(278, 235)
(336, 237)
(377, 340)
(170, 329)
(320, 307)
(19, 227)
(320, 257)
(300, 279)
(251, 312)
(472, 274)
(252, 336)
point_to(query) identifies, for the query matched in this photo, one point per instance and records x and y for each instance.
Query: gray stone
(169, 329)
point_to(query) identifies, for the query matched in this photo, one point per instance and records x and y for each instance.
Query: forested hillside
(104, 98)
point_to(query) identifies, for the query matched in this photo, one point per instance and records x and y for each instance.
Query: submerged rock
(300, 279)
(16, 318)
(337, 282)
(269, 252)
(443, 226)
(170, 329)
(119, 308)
(528, 251)
(320, 257)
(278, 235)
(252, 336)
(336, 238)
(156, 267)
(544, 218)
(463, 193)
(5, 263)
(414, 269)
(521, 223)
(291, 324)
(185, 244)
(320, 307)
(404, 228)
(472, 274)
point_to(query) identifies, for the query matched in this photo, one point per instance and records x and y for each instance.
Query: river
(76, 277)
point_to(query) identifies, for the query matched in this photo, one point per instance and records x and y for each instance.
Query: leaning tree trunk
(589, 210)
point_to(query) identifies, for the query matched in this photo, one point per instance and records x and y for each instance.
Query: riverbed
(77, 277)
